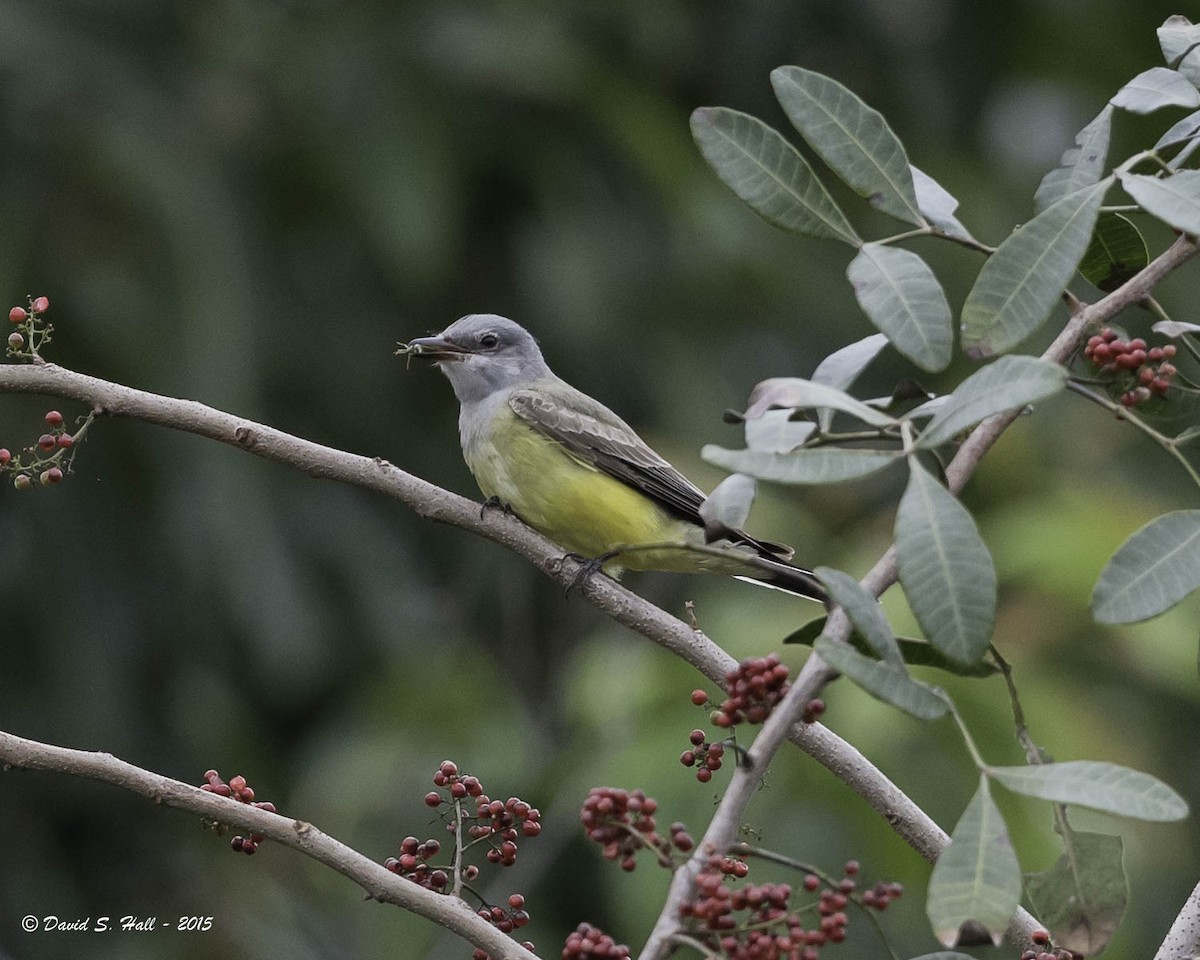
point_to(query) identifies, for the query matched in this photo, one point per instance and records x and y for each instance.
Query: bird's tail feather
(788, 578)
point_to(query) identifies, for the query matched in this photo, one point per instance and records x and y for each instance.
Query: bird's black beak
(437, 349)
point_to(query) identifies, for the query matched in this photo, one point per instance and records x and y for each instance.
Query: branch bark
(1182, 941)
(379, 883)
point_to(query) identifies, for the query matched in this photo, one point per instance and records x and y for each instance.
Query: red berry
(1168, 350)
(699, 698)
(54, 475)
(47, 442)
(1040, 937)
(449, 768)
(54, 418)
(704, 774)
(65, 440)
(516, 901)
(41, 305)
(433, 798)
(5, 456)
(17, 315)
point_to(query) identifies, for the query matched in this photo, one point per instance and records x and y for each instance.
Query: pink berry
(17, 315)
(54, 418)
(41, 305)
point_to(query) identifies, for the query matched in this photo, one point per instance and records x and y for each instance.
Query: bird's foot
(495, 503)
(587, 567)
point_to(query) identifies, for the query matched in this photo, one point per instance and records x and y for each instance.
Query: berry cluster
(705, 756)
(413, 864)
(49, 459)
(1046, 950)
(497, 823)
(587, 942)
(622, 822)
(753, 689)
(770, 927)
(237, 789)
(506, 920)
(1139, 372)
(32, 332)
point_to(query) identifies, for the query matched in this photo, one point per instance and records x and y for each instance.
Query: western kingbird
(575, 471)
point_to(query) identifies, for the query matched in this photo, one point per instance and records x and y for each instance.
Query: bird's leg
(495, 503)
(588, 566)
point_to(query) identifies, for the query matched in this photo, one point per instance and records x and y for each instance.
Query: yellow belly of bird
(573, 503)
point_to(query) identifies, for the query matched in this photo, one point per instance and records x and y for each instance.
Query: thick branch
(379, 883)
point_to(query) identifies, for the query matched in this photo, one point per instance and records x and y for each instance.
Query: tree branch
(379, 883)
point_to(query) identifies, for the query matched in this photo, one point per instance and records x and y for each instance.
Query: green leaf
(1175, 200)
(776, 432)
(728, 506)
(916, 653)
(1152, 571)
(815, 466)
(1175, 328)
(1179, 38)
(1154, 89)
(863, 611)
(842, 367)
(883, 681)
(903, 298)
(852, 138)
(1116, 253)
(795, 393)
(937, 205)
(977, 877)
(1007, 384)
(1180, 132)
(1081, 166)
(769, 174)
(1096, 785)
(1082, 898)
(946, 570)
(1023, 280)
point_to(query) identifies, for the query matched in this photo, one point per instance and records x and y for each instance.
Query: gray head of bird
(482, 353)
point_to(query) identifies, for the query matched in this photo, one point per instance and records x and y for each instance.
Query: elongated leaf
(819, 465)
(1152, 571)
(937, 205)
(1175, 328)
(1081, 166)
(769, 174)
(863, 612)
(842, 367)
(1096, 785)
(852, 138)
(776, 432)
(1154, 89)
(1116, 253)
(916, 653)
(946, 570)
(884, 681)
(798, 394)
(1023, 279)
(1180, 132)
(903, 298)
(1179, 38)
(728, 506)
(977, 877)
(1007, 384)
(1082, 898)
(1174, 200)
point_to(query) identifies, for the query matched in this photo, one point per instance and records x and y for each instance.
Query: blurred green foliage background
(247, 204)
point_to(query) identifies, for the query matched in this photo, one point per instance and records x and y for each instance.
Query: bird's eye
(488, 340)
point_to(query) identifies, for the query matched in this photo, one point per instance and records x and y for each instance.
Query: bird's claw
(587, 567)
(495, 503)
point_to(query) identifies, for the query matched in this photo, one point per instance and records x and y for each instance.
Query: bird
(573, 470)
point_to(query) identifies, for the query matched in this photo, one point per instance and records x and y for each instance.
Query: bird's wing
(597, 436)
